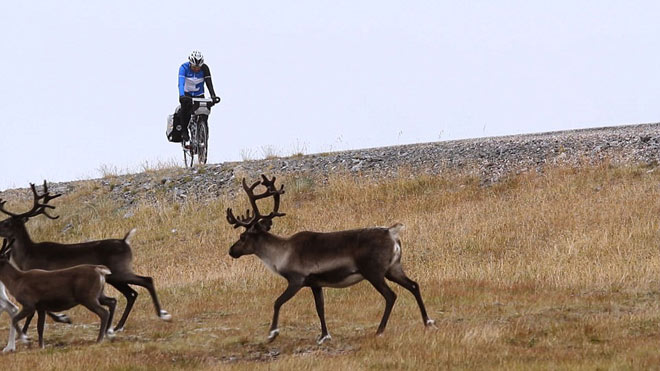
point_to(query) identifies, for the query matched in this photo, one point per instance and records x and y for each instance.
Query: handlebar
(203, 102)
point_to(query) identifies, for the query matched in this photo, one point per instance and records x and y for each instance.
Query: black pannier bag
(173, 135)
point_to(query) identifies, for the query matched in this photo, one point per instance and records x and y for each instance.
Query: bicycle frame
(198, 134)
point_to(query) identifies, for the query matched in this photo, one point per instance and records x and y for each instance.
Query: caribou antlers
(37, 208)
(248, 220)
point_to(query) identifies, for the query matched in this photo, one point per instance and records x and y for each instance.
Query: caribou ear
(265, 224)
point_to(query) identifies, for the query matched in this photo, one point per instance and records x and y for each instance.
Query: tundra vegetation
(557, 270)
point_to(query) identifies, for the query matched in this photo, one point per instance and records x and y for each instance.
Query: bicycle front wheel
(202, 141)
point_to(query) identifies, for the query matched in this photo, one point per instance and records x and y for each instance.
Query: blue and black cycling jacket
(192, 83)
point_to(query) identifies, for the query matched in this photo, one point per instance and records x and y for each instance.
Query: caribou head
(16, 222)
(256, 225)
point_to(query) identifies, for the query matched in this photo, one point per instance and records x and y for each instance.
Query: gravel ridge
(490, 159)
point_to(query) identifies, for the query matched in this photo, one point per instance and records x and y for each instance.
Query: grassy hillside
(552, 270)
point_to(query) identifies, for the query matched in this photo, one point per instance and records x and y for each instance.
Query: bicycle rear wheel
(202, 141)
(189, 153)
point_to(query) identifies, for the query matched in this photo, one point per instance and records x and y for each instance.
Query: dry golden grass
(543, 271)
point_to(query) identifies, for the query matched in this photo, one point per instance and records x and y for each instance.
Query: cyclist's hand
(216, 99)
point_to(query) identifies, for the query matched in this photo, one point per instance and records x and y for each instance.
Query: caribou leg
(148, 283)
(290, 291)
(12, 310)
(130, 296)
(121, 283)
(41, 321)
(111, 303)
(96, 307)
(318, 300)
(390, 298)
(57, 317)
(397, 275)
(24, 312)
(26, 325)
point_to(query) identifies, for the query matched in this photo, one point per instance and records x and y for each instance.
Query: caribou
(317, 260)
(7, 306)
(39, 290)
(115, 254)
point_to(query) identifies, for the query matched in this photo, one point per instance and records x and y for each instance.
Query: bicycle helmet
(196, 58)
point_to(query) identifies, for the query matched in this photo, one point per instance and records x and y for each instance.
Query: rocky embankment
(488, 158)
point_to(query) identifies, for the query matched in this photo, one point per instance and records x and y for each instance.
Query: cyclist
(192, 76)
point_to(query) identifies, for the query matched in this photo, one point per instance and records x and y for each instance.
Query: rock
(489, 158)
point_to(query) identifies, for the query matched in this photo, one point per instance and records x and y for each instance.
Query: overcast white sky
(88, 85)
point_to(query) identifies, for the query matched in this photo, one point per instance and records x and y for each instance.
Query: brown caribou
(38, 290)
(115, 254)
(317, 260)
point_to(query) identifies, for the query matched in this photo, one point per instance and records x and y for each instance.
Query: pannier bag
(173, 135)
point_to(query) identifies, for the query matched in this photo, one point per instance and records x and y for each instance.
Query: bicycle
(199, 131)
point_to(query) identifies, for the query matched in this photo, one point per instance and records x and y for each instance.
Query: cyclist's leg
(184, 117)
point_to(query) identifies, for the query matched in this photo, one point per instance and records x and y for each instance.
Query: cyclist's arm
(207, 79)
(182, 80)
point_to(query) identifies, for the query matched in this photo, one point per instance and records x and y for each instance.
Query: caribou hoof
(323, 338)
(431, 323)
(273, 334)
(165, 316)
(24, 338)
(110, 333)
(9, 349)
(118, 329)
(62, 318)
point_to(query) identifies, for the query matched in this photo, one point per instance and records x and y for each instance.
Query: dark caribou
(115, 254)
(317, 260)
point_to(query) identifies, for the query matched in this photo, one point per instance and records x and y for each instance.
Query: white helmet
(196, 58)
